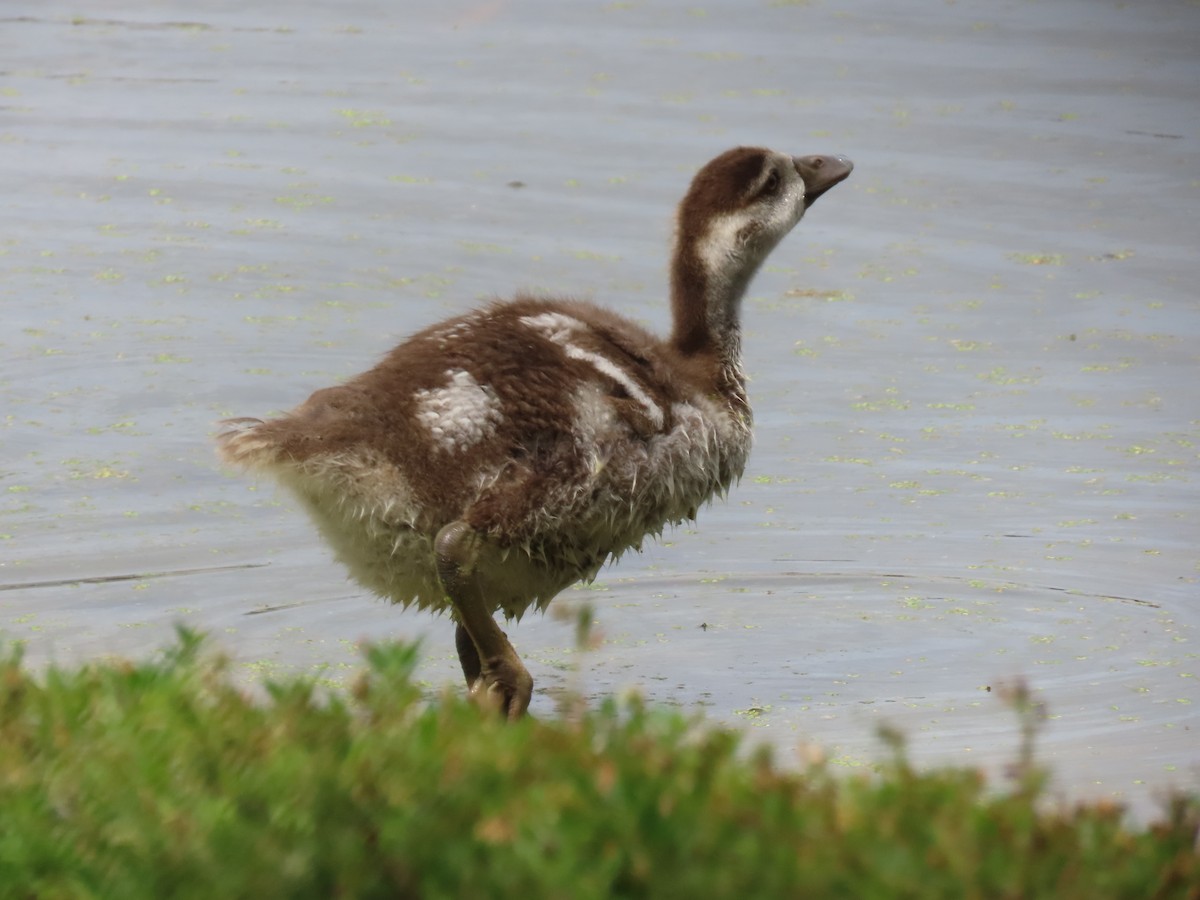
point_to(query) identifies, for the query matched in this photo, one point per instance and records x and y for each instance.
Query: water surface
(974, 363)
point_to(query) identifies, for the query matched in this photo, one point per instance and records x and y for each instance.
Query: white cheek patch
(461, 414)
(560, 328)
(791, 207)
(721, 242)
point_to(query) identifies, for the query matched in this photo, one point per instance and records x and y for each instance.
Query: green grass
(163, 778)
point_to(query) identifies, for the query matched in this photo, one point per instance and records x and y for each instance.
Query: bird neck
(706, 300)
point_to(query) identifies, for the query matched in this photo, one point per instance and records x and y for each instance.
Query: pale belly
(629, 491)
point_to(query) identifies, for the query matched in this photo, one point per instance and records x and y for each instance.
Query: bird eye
(771, 185)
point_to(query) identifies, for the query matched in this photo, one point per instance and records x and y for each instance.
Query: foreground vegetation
(164, 779)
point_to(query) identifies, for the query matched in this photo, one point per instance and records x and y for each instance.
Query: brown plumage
(492, 460)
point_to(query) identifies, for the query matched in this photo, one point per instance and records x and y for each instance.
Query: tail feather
(248, 444)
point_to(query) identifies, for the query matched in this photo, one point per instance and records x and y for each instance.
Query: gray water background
(975, 363)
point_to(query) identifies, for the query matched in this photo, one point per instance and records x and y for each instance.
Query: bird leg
(502, 682)
(468, 656)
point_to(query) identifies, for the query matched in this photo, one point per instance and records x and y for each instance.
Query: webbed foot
(497, 679)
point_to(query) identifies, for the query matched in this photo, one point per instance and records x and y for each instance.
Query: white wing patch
(605, 365)
(461, 414)
(553, 326)
(450, 333)
(559, 328)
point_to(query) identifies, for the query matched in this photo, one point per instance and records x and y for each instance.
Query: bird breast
(562, 434)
